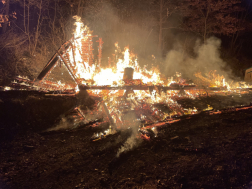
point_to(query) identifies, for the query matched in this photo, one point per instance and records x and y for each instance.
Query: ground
(200, 151)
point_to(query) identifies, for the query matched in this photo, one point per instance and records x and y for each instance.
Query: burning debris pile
(125, 95)
(46, 87)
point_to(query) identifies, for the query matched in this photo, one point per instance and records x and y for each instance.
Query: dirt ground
(200, 151)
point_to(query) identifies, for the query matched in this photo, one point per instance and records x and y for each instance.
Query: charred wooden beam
(48, 67)
(80, 112)
(54, 60)
(108, 114)
(133, 87)
(150, 88)
(69, 70)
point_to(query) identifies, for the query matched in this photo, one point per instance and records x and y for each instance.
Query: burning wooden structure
(124, 93)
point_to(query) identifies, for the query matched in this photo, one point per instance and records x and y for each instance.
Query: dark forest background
(179, 33)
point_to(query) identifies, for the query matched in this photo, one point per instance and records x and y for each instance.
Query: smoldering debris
(64, 124)
(130, 143)
(133, 139)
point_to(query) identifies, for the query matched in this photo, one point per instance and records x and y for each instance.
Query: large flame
(106, 76)
(113, 76)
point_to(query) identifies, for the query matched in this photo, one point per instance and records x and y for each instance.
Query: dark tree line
(32, 30)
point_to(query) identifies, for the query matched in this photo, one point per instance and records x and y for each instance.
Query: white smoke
(130, 143)
(133, 141)
(64, 124)
(205, 57)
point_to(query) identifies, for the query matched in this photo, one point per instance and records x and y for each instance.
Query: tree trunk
(160, 28)
(205, 31)
(79, 11)
(24, 18)
(37, 33)
(6, 12)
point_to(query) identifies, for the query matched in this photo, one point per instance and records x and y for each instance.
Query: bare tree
(207, 17)
(6, 13)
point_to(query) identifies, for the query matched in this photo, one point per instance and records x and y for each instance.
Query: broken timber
(58, 56)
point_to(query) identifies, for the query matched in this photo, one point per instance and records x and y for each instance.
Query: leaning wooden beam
(80, 112)
(53, 61)
(49, 66)
(69, 70)
(108, 114)
(73, 53)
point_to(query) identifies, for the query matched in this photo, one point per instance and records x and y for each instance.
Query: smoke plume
(64, 124)
(204, 58)
(133, 141)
